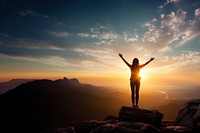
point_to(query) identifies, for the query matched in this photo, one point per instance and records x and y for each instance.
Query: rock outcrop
(189, 116)
(135, 120)
(113, 126)
(152, 117)
(130, 120)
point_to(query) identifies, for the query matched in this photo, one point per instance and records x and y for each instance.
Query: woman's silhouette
(135, 77)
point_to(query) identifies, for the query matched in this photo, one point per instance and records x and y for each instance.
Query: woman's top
(135, 72)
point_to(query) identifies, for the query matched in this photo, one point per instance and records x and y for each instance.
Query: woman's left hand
(151, 59)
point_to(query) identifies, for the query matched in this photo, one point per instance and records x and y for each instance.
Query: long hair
(135, 62)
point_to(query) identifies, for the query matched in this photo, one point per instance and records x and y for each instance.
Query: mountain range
(5, 86)
(42, 104)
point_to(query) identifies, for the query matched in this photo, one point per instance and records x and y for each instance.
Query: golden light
(142, 73)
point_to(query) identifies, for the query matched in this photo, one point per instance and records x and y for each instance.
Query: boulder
(152, 117)
(189, 116)
(130, 120)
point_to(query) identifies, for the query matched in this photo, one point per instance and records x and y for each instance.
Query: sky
(82, 38)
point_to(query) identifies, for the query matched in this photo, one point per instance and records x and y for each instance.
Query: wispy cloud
(6, 40)
(58, 34)
(164, 93)
(130, 38)
(83, 34)
(79, 62)
(101, 55)
(107, 35)
(32, 13)
(168, 2)
(187, 59)
(100, 35)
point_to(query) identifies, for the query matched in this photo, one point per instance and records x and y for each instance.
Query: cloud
(83, 34)
(103, 33)
(170, 28)
(6, 40)
(162, 15)
(107, 35)
(101, 36)
(171, 1)
(32, 13)
(168, 2)
(82, 57)
(192, 30)
(130, 38)
(166, 49)
(100, 32)
(67, 58)
(100, 53)
(174, 20)
(58, 34)
(185, 59)
(197, 12)
(164, 93)
(77, 61)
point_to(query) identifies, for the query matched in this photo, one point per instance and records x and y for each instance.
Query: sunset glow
(143, 73)
(83, 39)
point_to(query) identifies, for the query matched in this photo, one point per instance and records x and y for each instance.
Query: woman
(135, 77)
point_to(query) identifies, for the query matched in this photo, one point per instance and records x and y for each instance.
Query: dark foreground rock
(189, 116)
(152, 117)
(130, 120)
(116, 126)
(113, 126)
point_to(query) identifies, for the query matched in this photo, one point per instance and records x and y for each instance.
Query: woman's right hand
(120, 54)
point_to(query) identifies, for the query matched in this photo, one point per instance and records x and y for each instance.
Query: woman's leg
(132, 84)
(137, 91)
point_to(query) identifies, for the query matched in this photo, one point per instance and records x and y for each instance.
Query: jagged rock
(140, 115)
(110, 128)
(87, 126)
(189, 115)
(138, 127)
(130, 120)
(113, 127)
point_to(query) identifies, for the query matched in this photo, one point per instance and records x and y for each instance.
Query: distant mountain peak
(65, 78)
(11, 84)
(72, 81)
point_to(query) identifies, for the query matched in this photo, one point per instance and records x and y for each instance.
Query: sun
(142, 73)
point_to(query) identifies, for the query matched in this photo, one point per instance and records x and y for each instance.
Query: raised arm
(147, 62)
(124, 60)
